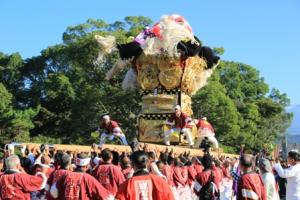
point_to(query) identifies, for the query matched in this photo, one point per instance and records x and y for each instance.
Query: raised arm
(284, 173)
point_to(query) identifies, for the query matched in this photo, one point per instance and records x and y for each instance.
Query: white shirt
(292, 174)
(270, 185)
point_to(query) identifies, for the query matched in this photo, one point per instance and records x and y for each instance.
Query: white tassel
(130, 80)
(118, 66)
(107, 45)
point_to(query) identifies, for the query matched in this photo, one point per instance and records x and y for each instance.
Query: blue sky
(264, 34)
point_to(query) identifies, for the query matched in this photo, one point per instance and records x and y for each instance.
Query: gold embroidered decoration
(170, 78)
(148, 77)
(193, 74)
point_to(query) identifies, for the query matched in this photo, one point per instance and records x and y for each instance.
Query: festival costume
(181, 125)
(112, 129)
(251, 187)
(145, 186)
(203, 177)
(110, 177)
(205, 129)
(53, 178)
(15, 185)
(79, 186)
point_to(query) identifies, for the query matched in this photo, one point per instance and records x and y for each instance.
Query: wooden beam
(122, 148)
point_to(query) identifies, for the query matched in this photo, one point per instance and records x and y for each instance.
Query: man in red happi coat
(180, 122)
(192, 174)
(62, 165)
(109, 175)
(79, 185)
(197, 164)
(127, 169)
(167, 170)
(206, 175)
(206, 130)
(250, 185)
(144, 185)
(17, 185)
(111, 129)
(178, 176)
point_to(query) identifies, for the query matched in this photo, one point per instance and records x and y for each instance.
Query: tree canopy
(60, 95)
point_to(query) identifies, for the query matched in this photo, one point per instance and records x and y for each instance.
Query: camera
(205, 144)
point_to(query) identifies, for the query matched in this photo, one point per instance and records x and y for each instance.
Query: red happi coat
(250, 186)
(169, 173)
(17, 186)
(199, 168)
(218, 176)
(80, 186)
(150, 187)
(126, 172)
(179, 178)
(205, 124)
(203, 177)
(192, 174)
(109, 128)
(53, 178)
(185, 174)
(110, 176)
(119, 167)
(179, 122)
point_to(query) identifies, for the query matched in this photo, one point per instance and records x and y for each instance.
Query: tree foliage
(60, 95)
(14, 124)
(252, 115)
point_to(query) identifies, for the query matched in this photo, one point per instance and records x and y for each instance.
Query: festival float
(167, 64)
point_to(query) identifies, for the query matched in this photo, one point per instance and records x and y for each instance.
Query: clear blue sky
(262, 33)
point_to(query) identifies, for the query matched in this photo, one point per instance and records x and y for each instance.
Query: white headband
(177, 107)
(106, 117)
(82, 162)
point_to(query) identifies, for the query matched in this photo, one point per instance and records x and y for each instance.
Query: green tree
(74, 111)
(260, 116)
(213, 103)
(14, 124)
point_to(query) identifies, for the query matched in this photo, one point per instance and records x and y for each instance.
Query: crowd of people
(144, 173)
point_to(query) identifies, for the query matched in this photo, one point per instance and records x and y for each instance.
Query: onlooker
(292, 174)
(281, 181)
(268, 179)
